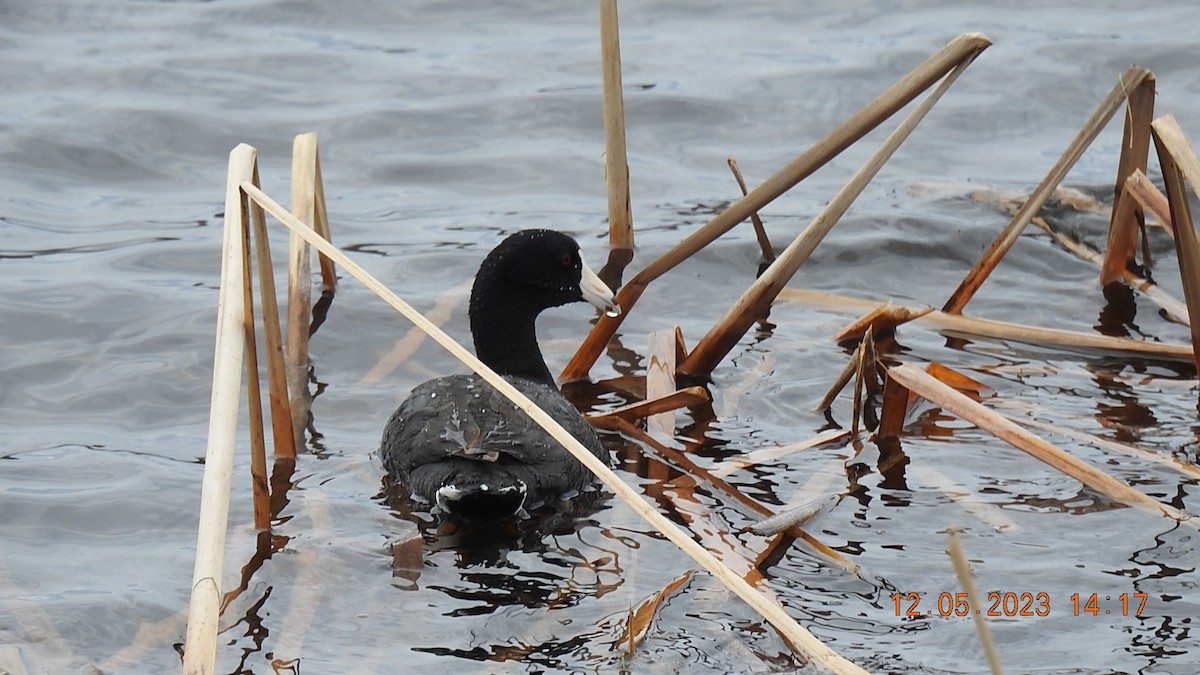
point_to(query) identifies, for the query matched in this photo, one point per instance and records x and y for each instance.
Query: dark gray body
(458, 430)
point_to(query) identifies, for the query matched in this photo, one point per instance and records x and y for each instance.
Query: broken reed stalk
(1130, 80)
(772, 613)
(971, 327)
(963, 48)
(1178, 161)
(883, 319)
(962, 569)
(944, 396)
(758, 298)
(1140, 187)
(1135, 151)
(616, 164)
(760, 232)
(683, 398)
(200, 645)
(839, 383)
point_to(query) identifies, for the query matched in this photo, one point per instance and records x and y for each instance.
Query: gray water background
(444, 126)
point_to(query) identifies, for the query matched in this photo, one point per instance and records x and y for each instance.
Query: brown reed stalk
(963, 48)
(959, 381)
(200, 645)
(682, 398)
(1135, 141)
(1178, 161)
(258, 452)
(772, 613)
(951, 400)
(1129, 81)
(616, 165)
(964, 326)
(885, 317)
(962, 569)
(897, 400)
(1175, 310)
(1127, 220)
(760, 232)
(758, 298)
(840, 382)
(282, 415)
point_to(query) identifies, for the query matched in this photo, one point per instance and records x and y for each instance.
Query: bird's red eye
(566, 260)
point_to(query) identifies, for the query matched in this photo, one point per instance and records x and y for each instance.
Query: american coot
(458, 443)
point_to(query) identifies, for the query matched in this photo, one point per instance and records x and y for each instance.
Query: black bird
(459, 444)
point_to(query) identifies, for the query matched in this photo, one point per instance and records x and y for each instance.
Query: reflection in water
(1120, 308)
(487, 546)
(551, 560)
(1170, 616)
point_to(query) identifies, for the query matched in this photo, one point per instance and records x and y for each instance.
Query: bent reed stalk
(1179, 162)
(1131, 79)
(867, 118)
(714, 346)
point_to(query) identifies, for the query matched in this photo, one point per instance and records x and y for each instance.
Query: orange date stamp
(1012, 604)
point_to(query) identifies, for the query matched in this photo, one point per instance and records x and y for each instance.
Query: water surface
(444, 127)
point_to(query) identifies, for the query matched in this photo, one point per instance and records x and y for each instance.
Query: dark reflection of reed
(1169, 615)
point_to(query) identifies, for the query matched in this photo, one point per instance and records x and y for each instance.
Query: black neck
(504, 332)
